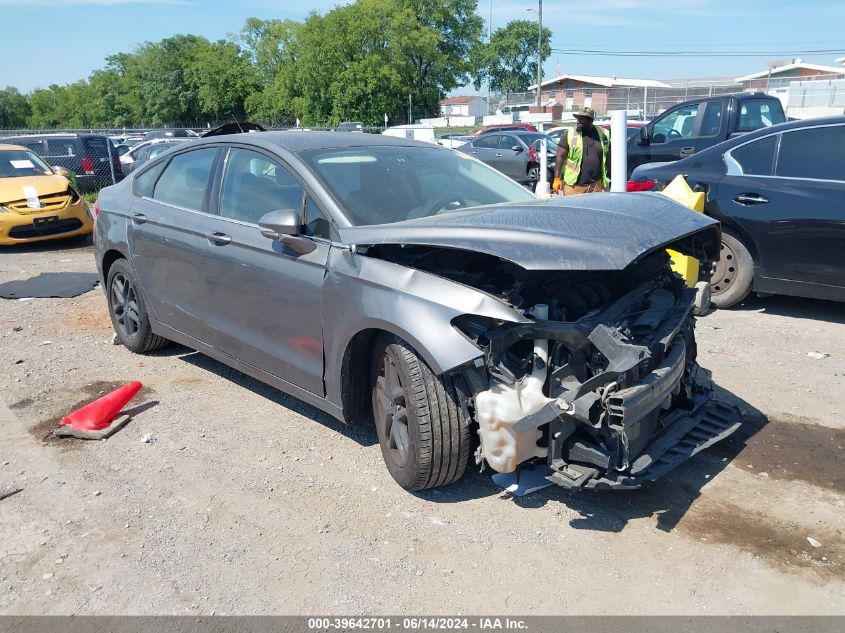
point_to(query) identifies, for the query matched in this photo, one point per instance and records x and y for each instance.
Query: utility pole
(539, 54)
(410, 118)
(539, 51)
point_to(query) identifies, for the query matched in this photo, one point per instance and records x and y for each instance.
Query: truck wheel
(419, 421)
(128, 312)
(733, 274)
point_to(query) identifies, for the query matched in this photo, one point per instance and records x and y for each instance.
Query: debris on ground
(50, 285)
(8, 492)
(818, 355)
(813, 542)
(148, 438)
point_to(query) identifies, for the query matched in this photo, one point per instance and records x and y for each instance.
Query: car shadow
(795, 307)
(64, 244)
(668, 499)
(365, 435)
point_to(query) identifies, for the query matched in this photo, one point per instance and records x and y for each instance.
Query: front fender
(361, 293)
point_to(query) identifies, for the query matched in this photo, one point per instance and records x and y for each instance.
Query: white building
(473, 106)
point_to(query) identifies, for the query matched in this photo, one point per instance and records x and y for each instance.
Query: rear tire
(128, 311)
(423, 438)
(733, 274)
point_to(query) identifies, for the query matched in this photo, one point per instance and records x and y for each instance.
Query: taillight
(641, 185)
(97, 207)
(532, 156)
(87, 166)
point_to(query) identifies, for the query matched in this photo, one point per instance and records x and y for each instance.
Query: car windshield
(379, 185)
(17, 163)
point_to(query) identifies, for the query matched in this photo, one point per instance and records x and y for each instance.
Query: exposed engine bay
(598, 376)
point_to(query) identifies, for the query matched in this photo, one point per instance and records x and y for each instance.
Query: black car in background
(694, 125)
(779, 193)
(92, 157)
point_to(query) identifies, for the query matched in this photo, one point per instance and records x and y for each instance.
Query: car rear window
(757, 113)
(185, 179)
(62, 146)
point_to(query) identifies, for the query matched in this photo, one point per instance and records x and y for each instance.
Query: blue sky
(61, 41)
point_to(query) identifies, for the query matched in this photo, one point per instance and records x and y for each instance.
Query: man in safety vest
(583, 157)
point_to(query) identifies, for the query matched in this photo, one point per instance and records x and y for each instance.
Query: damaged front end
(603, 384)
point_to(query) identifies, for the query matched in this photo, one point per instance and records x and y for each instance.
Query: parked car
(147, 150)
(37, 201)
(778, 193)
(512, 153)
(350, 126)
(368, 276)
(169, 133)
(506, 127)
(695, 125)
(84, 155)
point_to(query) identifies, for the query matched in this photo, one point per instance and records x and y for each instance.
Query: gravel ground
(249, 501)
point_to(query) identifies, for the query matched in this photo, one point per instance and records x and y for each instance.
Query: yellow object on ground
(36, 203)
(679, 191)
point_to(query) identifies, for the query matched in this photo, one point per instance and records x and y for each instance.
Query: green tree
(168, 83)
(44, 106)
(224, 79)
(14, 109)
(509, 59)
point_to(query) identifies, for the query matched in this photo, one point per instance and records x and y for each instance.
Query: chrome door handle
(219, 238)
(687, 151)
(750, 198)
(499, 155)
(139, 218)
(474, 152)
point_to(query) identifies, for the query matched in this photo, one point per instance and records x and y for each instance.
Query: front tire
(128, 311)
(733, 274)
(422, 434)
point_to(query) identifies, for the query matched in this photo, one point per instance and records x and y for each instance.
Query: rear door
(485, 149)
(263, 300)
(789, 196)
(168, 240)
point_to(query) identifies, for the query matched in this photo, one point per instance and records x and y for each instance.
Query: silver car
(514, 153)
(403, 284)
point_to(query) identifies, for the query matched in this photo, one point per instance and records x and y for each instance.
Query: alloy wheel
(124, 304)
(391, 413)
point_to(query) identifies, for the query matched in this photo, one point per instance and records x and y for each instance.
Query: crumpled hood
(13, 188)
(606, 231)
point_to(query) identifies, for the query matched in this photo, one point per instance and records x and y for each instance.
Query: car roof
(56, 135)
(295, 141)
(773, 129)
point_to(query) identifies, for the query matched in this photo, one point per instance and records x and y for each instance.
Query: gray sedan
(405, 285)
(515, 154)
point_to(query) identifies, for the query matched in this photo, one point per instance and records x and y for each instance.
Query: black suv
(86, 155)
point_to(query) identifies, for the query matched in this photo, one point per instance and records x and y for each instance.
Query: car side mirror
(517, 148)
(645, 135)
(284, 226)
(60, 171)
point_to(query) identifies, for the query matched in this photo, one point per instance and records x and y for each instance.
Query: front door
(264, 300)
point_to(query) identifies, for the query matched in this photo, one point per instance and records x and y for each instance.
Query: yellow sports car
(37, 201)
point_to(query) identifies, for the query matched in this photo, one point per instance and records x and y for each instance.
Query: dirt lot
(252, 502)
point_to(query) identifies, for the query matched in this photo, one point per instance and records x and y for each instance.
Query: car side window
(506, 141)
(812, 153)
(255, 185)
(316, 223)
(488, 141)
(679, 123)
(185, 179)
(757, 158)
(146, 182)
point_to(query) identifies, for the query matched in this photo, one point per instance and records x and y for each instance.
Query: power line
(608, 53)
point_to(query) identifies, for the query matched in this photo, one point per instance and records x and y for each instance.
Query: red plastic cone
(99, 414)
